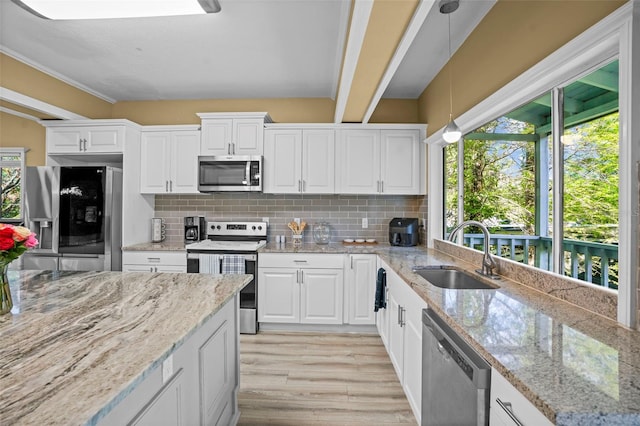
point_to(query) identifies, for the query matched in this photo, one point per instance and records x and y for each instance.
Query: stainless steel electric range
(231, 247)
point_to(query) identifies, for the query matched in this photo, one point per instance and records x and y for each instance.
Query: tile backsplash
(344, 213)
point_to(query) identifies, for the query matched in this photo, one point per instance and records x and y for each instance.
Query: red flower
(6, 238)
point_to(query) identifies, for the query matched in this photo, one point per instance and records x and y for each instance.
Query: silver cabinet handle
(351, 261)
(298, 276)
(304, 184)
(302, 277)
(151, 269)
(233, 148)
(508, 408)
(153, 259)
(170, 186)
(229, 148)
(399, 319)
(80, 144)
(299, 261)
(382, 186)
(402, 311)
(299, 185)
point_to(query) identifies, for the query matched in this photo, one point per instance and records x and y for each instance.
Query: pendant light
(452, 132)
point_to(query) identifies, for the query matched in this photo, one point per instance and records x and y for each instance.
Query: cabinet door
(396, 333)
(521, 408)
(278, 295)
(282, 166)
(361, 288)
(185, 147)
(318, 161)
(412, 364)
(64, 140)
(321, 298)
(216, 137)
(154, 167)
(167, 407)
(104, 139)
(400, 162)
(358, 162)
(248, 136)
(382, 322)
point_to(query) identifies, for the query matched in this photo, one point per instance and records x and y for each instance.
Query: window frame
(604, 41)
(22, 153)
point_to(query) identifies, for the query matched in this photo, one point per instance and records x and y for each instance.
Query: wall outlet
(167, 369)
(365, 222)
(297, 220)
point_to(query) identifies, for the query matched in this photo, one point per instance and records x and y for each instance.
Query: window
(507, 180)
(593, 50)
(11, 172)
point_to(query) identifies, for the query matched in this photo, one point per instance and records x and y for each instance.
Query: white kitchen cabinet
(405, 337)
(154, 261)
(372, 161)
(169, 162)
(233, 133)
(508, 406)
(360, 289)
(300, 288)
(85, 139)
(299, 161)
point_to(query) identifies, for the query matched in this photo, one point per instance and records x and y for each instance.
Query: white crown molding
(19, 114)
(54, 74)
(37, 105)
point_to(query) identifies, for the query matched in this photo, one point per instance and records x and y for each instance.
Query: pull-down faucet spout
(488, 264)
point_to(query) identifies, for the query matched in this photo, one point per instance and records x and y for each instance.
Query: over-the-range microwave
(229, 173)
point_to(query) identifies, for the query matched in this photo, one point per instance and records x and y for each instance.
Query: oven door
(248, 295)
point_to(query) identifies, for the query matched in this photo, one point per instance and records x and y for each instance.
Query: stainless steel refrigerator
(76, 213)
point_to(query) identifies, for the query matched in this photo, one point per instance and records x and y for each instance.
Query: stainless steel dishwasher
(455, 379)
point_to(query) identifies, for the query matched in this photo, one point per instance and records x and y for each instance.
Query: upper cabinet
(169, 156)
(90, 138)
(299, 161)
(372, 161)
(233, 133)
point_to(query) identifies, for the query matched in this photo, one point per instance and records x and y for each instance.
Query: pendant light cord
(449, 66)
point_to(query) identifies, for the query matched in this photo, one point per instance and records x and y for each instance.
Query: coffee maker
(403, 231)
(195, 229)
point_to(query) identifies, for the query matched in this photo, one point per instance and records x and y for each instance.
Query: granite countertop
(575, 366)
(163, 246)
(78, 342)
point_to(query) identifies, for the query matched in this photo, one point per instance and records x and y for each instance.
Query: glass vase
(6, 303)
(296, 239)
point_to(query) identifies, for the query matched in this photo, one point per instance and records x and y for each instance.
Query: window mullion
(557, 105)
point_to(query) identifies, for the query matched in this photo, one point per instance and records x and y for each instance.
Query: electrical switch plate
(365, 222)
(167, 369)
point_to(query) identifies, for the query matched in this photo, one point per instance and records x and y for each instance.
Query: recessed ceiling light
(103, 9)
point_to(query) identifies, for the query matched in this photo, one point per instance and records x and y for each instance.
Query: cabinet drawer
(513, 400)
(300, 260)
(178, 258)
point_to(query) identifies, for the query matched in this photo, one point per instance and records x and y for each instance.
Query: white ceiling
(251, 49)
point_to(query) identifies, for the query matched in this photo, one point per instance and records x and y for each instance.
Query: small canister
(157, 230)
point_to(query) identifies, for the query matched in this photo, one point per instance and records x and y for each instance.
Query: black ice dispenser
(403, 231)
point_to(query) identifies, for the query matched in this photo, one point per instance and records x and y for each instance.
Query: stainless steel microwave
(223, 173)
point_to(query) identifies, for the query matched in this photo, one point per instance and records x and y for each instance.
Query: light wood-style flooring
(319, 379)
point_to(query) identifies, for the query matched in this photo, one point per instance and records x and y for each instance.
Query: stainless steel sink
(451, 278)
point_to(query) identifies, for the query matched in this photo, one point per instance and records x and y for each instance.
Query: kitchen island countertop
(575, 366)
(76, 343)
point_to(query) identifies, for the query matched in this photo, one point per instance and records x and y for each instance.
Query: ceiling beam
(37, 105)
(420, 14)
(357, 29)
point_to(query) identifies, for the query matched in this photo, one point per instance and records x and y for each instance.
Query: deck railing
(594, 263)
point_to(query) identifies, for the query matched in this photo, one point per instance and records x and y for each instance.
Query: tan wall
(514, 36)
(20, 132)
(396, 111)
(28, 81)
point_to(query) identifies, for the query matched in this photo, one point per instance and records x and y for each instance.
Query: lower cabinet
(509, 407)
(401, 323)
(304, 288)
(196, 385)
(360, 289)
(154, 261)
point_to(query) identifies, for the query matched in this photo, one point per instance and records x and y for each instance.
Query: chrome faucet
(488, 264)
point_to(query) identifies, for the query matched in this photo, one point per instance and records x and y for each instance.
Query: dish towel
(233, 264)
(381, 284)
(209, 264)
